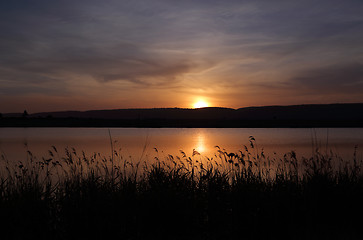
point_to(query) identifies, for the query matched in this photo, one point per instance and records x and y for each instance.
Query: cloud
(105, 42)
(65, 47)
(345, 78)
(137, 66)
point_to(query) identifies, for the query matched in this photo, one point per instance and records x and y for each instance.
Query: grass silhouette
(239, 195)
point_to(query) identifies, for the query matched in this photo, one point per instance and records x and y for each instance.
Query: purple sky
(80, 55)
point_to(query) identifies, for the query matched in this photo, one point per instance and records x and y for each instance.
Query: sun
(200, 104)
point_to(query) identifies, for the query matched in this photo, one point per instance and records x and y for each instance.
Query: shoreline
(175, 123)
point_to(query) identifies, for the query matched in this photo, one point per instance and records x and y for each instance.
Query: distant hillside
(334, 115)
(152, 113)
(294, 112)
(304, 112)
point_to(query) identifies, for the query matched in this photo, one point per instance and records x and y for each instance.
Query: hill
(319, 115)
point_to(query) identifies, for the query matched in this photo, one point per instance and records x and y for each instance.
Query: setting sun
(200, 104)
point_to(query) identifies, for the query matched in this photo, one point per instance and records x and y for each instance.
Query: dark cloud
(113, 41)
(347, 78)
(147, 70)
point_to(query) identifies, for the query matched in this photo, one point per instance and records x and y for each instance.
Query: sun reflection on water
(200, 145)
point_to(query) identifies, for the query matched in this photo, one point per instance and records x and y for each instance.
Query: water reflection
(200, 143)
(136, 142)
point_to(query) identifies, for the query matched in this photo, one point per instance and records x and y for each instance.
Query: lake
(141, 143)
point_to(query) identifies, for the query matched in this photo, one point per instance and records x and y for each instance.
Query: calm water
(14, 142)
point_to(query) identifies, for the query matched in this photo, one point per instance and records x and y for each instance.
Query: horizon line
(183, 108)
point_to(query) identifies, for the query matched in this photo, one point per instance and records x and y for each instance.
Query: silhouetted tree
(25, 114)
(1, 115)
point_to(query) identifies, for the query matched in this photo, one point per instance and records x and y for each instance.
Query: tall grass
(233, 195)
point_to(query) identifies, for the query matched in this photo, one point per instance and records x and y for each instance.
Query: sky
(104, 54)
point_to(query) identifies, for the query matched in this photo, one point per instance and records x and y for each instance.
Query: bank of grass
(242, 195)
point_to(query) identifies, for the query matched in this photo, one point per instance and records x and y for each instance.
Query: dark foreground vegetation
(242, 195)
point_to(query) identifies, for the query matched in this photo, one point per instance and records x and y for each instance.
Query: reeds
(243, 194)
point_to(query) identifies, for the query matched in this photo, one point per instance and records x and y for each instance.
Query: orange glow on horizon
(200, 104)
